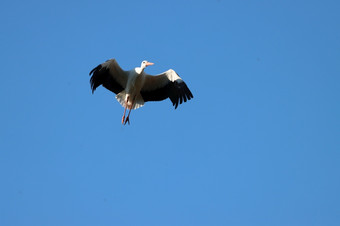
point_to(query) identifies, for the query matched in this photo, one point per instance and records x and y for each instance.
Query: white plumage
(135, 87)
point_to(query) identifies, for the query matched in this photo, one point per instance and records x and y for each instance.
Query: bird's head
(145, 63)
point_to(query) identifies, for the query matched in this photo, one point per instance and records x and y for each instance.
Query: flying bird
(135, 87)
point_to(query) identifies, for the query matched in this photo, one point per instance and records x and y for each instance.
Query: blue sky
(258, 145)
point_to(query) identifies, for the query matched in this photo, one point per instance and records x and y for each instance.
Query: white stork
(135, 87)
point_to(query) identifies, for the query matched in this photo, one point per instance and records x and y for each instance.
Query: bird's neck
(139, 70)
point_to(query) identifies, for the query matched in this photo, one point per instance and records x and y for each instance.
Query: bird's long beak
(149, 63)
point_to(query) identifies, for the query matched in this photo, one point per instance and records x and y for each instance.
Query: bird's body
(135, 87)
(135, 82)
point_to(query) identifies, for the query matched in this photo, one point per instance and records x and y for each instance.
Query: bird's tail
(123, 96)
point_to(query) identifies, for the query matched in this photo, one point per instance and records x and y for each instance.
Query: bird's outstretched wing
(110, 75)
(162, 86)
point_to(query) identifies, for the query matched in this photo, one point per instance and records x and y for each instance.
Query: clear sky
(258, 145)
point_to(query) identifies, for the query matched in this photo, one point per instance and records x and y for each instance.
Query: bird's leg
(126, 104)
(128, 117)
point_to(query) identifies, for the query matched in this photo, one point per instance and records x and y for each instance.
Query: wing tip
(183, 94)
(94, 80)
(96, 69)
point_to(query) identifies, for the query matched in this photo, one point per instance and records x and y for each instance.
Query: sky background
(258, 145)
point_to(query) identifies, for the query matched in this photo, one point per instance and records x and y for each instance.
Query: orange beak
(149, 63)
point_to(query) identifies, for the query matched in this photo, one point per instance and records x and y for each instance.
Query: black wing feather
(101, 76)
(176, 91)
